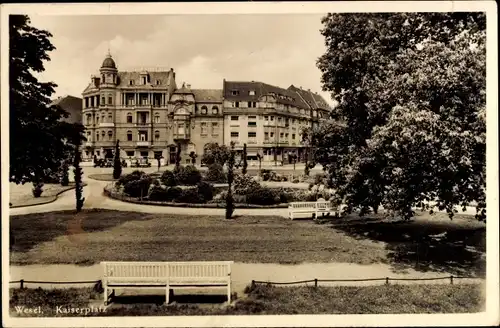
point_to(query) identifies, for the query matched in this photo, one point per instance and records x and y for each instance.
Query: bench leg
(167, 295)
(228, 294)
(105, 296)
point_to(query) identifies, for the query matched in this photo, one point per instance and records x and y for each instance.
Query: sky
(279, 49)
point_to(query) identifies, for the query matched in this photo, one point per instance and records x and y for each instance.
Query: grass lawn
(102, 177)
(390, 299)
(21, 195)
(426, 243)
(96, 235)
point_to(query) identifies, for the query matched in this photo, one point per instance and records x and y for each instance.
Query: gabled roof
(312, 99)
(284, 96)
(73, 105)
(207, 95)
(124, 79)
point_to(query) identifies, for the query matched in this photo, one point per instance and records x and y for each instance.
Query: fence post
(387, 280)
(22, 283)
(253, 285)
(315, 282)
(451, 280)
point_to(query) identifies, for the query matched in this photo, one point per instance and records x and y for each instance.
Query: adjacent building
(151, 115)
(72, 105)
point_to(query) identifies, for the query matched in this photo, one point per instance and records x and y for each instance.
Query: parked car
(99, 162)
(141, 162)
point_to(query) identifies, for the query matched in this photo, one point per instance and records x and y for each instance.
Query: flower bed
(185, 187)
(108, 191)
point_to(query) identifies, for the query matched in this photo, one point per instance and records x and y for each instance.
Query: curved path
(94, 198)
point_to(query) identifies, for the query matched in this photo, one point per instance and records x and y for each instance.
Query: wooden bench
(310, 208)
(168, 275)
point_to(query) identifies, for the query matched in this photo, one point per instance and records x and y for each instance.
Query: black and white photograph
(250, 164)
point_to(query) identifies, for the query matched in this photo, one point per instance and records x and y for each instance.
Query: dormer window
(251, 93)
(235, 92)
(204, 110)
(131, 82)
(144, 79)
(158, 82)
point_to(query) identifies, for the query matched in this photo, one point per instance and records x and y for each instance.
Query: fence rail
(316, 282)
(386, 279)
(39, 282)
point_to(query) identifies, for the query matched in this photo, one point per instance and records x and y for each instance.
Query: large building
(150, 116)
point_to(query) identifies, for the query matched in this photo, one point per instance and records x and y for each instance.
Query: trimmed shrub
(188, 175)
(189, 195)
(215, 173)
(37, 190)
(262, 196)
(168, 178)
(265, 174)
(134, 176)
(206, 191)
(138, 188)
(173, 193)
(157, 193)
(245, 184)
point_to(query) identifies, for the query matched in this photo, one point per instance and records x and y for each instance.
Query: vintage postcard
(250, 164)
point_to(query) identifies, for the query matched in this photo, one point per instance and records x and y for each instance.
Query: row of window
(204, 128)
(250, 104)
(96, 101)
(267, 118)
(204, 110)
(251, 134)
(237, 92)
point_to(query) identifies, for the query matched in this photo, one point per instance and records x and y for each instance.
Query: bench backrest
(155, 270)
(318, 204)
(302, 205)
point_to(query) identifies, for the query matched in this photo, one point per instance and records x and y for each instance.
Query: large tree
(409, 129)
(213, 153)
(39, 139)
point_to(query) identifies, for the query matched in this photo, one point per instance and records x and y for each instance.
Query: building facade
(150, 116)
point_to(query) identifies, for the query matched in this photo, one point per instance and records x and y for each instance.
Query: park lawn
(428, 243)
(104, 235)
(21, 195)
(385, 299)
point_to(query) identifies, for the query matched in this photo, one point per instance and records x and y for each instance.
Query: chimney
(300, 87)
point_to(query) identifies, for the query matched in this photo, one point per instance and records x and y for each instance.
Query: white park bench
(168, 275)
(319, 207)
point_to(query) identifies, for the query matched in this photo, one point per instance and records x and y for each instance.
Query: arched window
(157, 118)
(215, 110)
(110, 117)
(103, 134)
(89, 136)
(157, 135)
(97, 136)
(129, 135)
(97, 119)
(204, 110)
(129, 117)
(110, 135)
